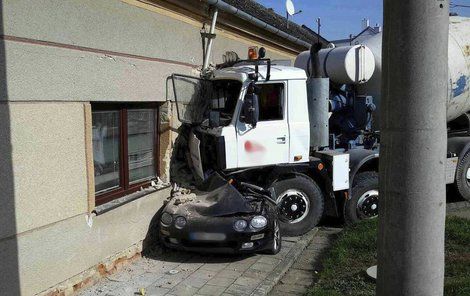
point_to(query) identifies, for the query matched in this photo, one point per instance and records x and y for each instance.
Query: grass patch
(355, 250)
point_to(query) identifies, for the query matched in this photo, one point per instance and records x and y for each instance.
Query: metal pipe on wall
(257, 22)
(413, 148)
(207, 54)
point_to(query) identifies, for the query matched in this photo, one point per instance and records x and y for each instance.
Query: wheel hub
(293, 205)
(368, 204)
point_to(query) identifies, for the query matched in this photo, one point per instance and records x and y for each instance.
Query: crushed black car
(224, 217)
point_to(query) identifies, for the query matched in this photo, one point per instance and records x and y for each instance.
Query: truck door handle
(281, 140)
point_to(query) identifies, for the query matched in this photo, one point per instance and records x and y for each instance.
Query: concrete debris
(184, 199)
(178, 191)
(159, 184)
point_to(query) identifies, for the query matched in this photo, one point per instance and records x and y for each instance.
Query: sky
(340, 18)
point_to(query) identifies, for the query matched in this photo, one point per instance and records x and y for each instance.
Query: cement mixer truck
(309, 132)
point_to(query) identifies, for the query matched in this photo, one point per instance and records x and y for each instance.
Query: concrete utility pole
(413, 148)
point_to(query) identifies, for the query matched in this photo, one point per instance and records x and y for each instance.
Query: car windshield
(198, 99)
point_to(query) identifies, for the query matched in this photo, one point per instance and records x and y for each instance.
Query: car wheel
(300, 205)
(277, 240)
(462, 177)
(364, 201)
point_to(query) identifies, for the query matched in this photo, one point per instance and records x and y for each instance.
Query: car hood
(216, 197)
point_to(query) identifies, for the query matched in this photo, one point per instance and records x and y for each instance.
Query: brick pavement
(181, 273)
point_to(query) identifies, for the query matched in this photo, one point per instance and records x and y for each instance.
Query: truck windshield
(197, 98)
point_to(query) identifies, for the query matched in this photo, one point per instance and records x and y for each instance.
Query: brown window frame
(125, 187)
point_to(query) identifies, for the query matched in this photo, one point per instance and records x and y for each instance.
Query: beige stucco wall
(57, 56)
(49, 163)
(49, 72)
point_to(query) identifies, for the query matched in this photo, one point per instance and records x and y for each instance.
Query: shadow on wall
(9, 273)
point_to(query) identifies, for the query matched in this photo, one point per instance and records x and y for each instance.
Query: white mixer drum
(343, 65)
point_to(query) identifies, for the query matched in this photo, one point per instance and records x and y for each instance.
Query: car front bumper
(217, 236)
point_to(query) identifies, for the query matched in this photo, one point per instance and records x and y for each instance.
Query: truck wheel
(462, 177)
(364, 201)
(300, 205)
(277, 240)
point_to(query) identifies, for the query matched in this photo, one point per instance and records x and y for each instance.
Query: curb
(273, 278)
(457, 206)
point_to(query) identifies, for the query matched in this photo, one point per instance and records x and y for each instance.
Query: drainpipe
(208, 50)
(257, 22)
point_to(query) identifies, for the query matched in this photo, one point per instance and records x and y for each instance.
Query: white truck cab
(252, 121)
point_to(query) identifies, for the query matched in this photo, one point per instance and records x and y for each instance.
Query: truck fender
(458, 145)
(362, 160)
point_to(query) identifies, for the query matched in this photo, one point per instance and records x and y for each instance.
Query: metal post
(207, 54)
(413, 148)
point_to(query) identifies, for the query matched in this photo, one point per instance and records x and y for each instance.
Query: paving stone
(247, 281)
(239, 290)
(221, 281)
(144, 280)
(194, 281)
(239, 266)
(214, 266)
(287, 244)
(269, 260)
(252, 273)
(263, 267)
(230, 273)
(169, 281)
(124, 291)
(307, 260)
(184, 290)
(291, 238)
(210, 290)
(204, 274)
(190, 266)
(156, 291)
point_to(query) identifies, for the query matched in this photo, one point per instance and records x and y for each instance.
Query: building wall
(57, 56)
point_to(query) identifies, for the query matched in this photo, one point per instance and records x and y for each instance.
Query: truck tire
(300, 205)
(363, 203)
(462, 176)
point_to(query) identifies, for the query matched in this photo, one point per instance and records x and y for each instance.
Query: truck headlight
(166, 219)
(180, 222)
(240, 225)
(258, 222)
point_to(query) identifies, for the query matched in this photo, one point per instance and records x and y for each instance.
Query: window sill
(101, 209)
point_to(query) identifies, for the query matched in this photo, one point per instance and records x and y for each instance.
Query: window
(271, 101)
(125, 149)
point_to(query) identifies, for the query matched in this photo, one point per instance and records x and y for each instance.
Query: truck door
(268, 142)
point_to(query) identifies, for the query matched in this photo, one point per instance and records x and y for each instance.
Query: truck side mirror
(250, 110)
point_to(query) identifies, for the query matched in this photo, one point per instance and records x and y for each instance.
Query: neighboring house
(367, 33)
(84, 124)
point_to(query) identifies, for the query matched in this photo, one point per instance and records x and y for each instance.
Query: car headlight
(258, 222)
(240, 225)
(166, 219)
(180, 222)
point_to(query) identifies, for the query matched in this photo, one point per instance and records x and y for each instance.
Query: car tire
(363, 203)
(276, 244)
(304, 210)
(461, 181)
